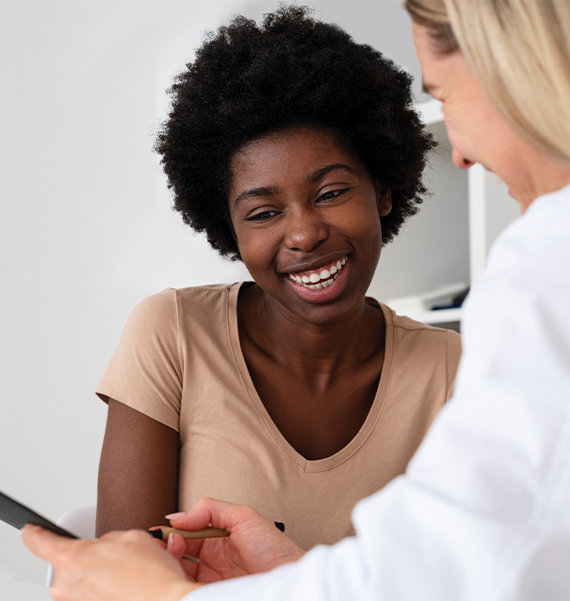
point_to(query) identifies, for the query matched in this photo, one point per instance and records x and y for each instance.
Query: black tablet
(14, 513)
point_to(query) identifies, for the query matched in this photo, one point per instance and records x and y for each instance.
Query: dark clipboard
(14, 513)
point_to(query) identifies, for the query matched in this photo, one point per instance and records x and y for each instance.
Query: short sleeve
(145, 371)
(453, 356)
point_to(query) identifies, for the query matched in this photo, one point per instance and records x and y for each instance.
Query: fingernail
(170, 542)
(175, 516)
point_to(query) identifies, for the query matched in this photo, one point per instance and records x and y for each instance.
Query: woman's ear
(384, 202)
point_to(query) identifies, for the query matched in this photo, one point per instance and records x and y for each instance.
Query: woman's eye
(262, 216)
(331, 194)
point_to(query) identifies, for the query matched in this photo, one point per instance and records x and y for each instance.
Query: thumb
(43, 543)
(219, 514)
(204, 513)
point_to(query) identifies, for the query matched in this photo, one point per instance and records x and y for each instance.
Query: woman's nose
(460, 161)
(305, 230)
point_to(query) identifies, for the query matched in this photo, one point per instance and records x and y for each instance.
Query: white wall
(86, 230)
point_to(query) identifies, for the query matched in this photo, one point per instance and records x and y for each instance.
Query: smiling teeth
(321, 279)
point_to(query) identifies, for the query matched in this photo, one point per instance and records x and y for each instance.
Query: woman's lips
(322, 285)
(323, 277)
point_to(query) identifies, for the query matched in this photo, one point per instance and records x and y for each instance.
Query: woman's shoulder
(170, 299)
(168, 306)
(205, 294)
(417, 332)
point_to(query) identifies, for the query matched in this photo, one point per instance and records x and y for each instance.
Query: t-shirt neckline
(326, 463)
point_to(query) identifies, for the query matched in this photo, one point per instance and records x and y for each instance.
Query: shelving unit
(430, 111)
(448, 241)
(442, 316)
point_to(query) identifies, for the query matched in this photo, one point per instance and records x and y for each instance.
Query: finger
(43, 543)
(191, 569)
(207, 511)
(176, 546)
(194, 547)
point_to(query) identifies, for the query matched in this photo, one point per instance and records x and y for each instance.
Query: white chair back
(79, 521)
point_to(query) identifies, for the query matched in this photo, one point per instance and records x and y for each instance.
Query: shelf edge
(430, 111)
(435, 317)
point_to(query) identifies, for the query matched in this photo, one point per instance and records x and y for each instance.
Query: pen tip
(156, 533)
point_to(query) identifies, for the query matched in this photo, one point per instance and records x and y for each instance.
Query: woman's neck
(311, 350)
(547, 175)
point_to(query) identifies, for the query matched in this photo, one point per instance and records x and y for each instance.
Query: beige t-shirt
(180, 362)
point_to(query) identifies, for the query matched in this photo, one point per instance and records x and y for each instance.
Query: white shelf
(439, 316)
(430, 111)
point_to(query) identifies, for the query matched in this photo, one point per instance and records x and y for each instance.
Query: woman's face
(477, 131)
(306, 218)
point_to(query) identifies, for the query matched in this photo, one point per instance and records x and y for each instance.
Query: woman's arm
(138, 471)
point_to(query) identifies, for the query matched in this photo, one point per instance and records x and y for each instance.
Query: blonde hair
(520, 52)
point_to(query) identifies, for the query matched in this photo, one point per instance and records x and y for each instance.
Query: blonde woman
(483, 509)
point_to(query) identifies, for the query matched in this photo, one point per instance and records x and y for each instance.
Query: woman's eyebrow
(254, 192)
(312, 178)
(320, 173)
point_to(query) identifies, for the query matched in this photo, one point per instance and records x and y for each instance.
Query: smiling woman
(316, 212)
(297, 151)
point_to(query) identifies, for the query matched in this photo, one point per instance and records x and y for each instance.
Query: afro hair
(249, 80)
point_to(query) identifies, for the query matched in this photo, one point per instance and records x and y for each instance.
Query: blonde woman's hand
(254, 544)
(119, 566)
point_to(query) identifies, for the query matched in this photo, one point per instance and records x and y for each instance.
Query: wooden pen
(208, 532)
